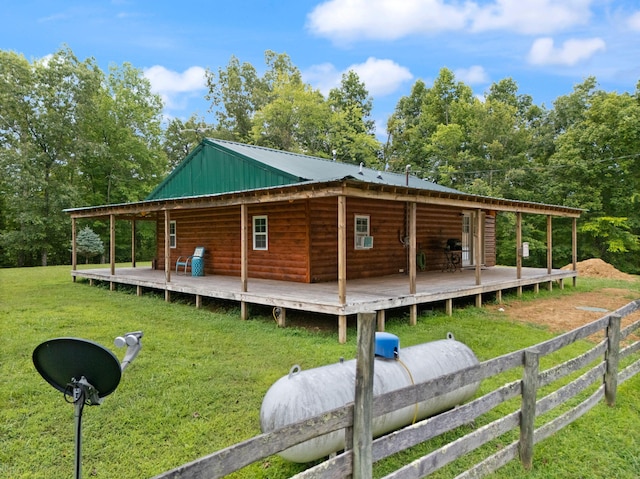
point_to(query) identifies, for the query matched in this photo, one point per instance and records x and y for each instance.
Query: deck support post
(244, 310)
(536, 288)
(363, 398)
(499, 296)
(413, 314)
(479, 300)
(380, 315)
(342, 329)
(138, 290)
(449, 307)
(167, 295)
(198, 301)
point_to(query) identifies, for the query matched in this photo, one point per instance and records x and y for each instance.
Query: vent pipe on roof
(406, 172)
(361, 172)
(334, 153)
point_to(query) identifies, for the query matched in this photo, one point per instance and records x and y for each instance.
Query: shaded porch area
(362, 295)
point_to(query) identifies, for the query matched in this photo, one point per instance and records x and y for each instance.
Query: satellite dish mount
(85, 372)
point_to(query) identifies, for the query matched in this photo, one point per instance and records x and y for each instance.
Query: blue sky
(546, 46)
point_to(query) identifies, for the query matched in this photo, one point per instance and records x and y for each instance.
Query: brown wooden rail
(606, 354)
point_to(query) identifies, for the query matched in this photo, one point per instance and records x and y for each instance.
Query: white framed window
(173, 239)
(260, 233)
(362, 237)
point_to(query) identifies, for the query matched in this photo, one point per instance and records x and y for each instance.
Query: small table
(453, 260)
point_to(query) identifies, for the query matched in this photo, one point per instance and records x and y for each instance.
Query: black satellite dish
(61, 360)
(85, 372)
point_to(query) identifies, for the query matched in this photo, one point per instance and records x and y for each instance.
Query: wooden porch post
(167, 250)
(342, 265)
(549, 244)
(549, 249)
(133, 243)
(519, 247)
(574, 247)
(112, 248)
(413, 314)
(74, 247)
(244, 252)
(478, 246)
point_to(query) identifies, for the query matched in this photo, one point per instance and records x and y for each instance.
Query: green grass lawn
(198, 383)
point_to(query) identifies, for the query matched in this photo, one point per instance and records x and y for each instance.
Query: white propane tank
(307, 393)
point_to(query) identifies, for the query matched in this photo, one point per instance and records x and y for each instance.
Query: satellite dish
(85, 372)
(63, 360)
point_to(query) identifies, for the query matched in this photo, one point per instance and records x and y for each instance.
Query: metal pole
(79, 397)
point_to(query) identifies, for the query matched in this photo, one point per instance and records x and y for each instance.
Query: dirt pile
(596, 268)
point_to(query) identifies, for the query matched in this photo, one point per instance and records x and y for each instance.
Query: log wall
(303, 244)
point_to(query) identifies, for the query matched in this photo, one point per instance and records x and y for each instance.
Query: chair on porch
(187, 262)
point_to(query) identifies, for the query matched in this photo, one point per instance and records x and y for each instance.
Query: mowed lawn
(198, 383)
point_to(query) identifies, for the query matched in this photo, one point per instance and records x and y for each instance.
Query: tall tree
(352, 134)
(70, 136)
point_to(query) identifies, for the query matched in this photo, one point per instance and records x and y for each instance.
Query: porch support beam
(244, 253)
(112, 249)
(413, 310)
(74, 247)
(167, 247)
(477, 247)
(133, 243)
(342, 266)
(549, 244)
(342, 249)
(112, 244)
(519, 245)
(381, 318)
(574, 247)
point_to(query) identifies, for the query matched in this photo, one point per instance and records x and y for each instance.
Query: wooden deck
(364, 295)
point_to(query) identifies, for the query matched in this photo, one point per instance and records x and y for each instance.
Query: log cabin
(267, 215)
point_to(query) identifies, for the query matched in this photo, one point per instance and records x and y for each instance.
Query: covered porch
(362, 295)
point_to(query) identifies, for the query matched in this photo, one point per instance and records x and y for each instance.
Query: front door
(468, 234)
(467, 239)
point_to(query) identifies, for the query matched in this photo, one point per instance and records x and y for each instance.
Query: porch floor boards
(363, 295)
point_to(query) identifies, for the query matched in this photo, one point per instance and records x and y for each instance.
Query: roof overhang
(341, 187)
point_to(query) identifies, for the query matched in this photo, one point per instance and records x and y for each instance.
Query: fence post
(528, 409)
(612, 357)
(363, 405)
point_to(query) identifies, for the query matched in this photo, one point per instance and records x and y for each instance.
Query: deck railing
(599, 366)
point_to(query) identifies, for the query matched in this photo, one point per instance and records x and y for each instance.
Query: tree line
(74, 135)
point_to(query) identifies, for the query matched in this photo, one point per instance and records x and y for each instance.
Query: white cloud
(531, 16)
(350, 20)
(380, 77)
(473, 75)
(167, 81)
(384, 19)
(175, 88)
(634, 22)
(544, 52)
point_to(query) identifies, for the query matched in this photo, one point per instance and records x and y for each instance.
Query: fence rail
(606, 355)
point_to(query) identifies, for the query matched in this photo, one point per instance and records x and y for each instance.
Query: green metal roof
(220, 166)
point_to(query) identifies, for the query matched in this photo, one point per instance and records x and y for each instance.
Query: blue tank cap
(387, 345)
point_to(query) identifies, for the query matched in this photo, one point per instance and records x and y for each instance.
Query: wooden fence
(362, 451)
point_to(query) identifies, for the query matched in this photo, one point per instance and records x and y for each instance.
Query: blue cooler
(197, 267)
